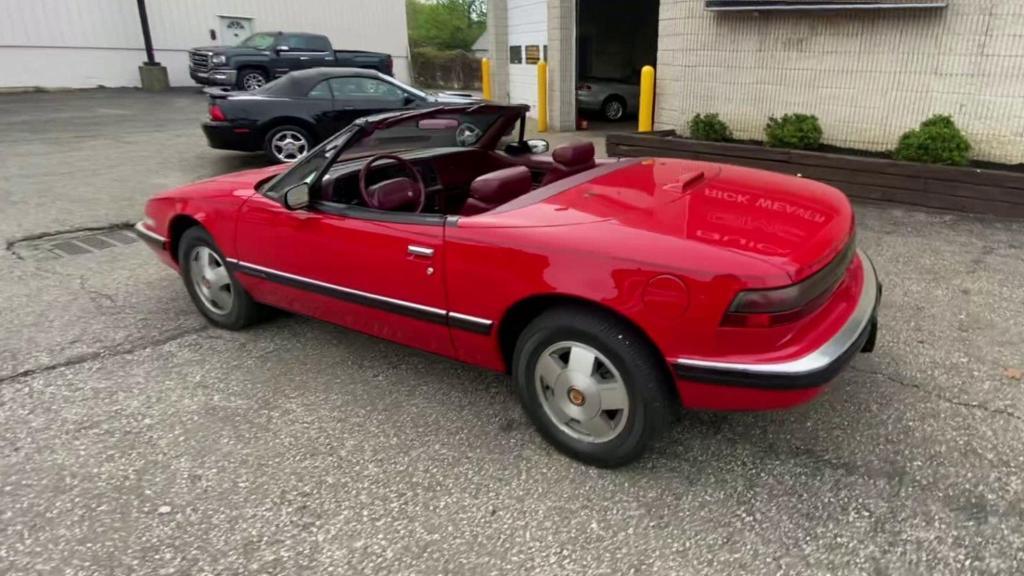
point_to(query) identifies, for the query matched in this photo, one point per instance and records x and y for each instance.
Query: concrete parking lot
(135, 439)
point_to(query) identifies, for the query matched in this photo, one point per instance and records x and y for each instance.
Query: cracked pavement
(134, 439)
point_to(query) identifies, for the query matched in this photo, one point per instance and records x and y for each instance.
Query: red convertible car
(614, 292)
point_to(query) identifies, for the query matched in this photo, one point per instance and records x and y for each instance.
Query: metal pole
(150, 59)
(485, 71)
(542, 96)
(646, 119)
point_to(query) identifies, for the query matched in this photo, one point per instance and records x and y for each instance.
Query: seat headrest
(574, 153)
(501, 186)
(394, 194)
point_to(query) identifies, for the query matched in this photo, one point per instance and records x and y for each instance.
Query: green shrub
(709, 127)
(800, 131)
(936, 141)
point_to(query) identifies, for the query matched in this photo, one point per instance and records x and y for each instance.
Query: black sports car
(287, 117)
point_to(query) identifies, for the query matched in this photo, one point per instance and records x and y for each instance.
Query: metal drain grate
(72, 244)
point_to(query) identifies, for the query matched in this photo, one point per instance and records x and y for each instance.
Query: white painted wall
(527, 24)
(85, 43)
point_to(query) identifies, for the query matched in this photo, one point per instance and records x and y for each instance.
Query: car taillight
(777, 306)
(584, 87)
(216, 114)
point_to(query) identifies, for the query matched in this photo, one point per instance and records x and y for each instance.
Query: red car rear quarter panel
(717, 229)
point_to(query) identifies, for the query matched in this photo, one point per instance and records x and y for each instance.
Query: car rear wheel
(213, 289)
(592, 385)
(614, 108)
(286, 144)
(250, 79)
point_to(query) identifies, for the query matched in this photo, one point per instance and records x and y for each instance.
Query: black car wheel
(287, 144)
(213, 289)
(592, 385)
(614, 108)
(250, 79)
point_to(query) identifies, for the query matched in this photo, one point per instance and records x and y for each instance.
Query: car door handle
(421, 251)
(303, 57)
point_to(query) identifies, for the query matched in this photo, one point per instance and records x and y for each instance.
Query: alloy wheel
(289, 146)
(582, 392)
(613, 110)
(210, 280)
(253, 80)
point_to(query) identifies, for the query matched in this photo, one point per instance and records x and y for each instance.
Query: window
(515, 54)
(359, 88)
(532, 53)
(258, 41)
(321, 90)
(306, 43)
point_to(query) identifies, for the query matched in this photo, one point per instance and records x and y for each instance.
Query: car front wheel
(592, 385)
(251, 79)
(214, 290)
(614, 108)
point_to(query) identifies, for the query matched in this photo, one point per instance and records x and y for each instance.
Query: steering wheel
(405, 165)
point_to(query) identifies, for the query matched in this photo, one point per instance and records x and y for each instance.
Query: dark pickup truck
(267, 55)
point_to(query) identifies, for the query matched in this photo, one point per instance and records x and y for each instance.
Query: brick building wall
(869, 76)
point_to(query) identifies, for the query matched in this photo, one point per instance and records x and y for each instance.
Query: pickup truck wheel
(251, 79)
(592, 385)
(213, 288)
(286, 144)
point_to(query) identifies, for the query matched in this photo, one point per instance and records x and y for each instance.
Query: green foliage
(449, 69)
(799, 131)
(445, 24)
(709, 127)
(936, 141)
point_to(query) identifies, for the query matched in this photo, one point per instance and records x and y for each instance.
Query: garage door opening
(614, 40)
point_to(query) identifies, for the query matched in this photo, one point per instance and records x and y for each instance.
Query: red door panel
(382, 278)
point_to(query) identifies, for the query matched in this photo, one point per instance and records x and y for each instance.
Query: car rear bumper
(225, 136)
(810, 371)
(214, 77)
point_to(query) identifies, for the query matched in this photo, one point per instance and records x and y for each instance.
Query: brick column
(497, 22)
(562, 64)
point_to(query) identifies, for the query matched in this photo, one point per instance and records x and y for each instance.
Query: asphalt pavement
(135, 439)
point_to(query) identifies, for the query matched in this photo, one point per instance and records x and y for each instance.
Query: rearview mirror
(538, 146)
(437, 124)
(297, 197)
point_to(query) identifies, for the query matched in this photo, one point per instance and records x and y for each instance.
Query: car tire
(613, 108)
(287, 144)
(627, 389)
(250, 79)
(213, 288)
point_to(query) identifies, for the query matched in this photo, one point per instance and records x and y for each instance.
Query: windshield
(464, 130)
(260, 41)
(416, 129)
(305, 170)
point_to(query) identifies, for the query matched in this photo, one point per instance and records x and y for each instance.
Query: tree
(445, 24)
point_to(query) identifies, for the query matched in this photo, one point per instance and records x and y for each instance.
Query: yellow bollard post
(542, 96)
(646, 121)
(485, 72)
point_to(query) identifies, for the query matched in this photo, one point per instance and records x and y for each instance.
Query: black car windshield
(260, 41)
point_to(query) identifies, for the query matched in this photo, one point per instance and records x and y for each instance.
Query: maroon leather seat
(570, 159)
(496, 188)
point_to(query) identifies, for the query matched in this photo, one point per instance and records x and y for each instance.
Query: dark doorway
(614, 40)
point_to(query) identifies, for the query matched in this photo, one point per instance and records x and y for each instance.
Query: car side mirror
(538, 146)
(280, 49)
(297, 197)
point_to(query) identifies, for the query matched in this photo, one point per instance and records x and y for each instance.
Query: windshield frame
(274, 189)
